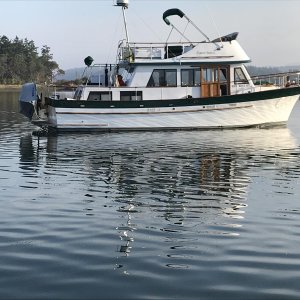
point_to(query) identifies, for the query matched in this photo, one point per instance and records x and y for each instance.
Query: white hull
(243, 114)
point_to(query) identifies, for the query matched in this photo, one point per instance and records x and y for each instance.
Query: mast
(124, 5)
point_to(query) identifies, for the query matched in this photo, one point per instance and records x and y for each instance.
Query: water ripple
(194, 214)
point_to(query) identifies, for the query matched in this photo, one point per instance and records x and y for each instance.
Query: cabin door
(210, 82)
(224, 81)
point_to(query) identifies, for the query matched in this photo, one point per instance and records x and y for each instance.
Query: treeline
(260, 71)
(20, 62)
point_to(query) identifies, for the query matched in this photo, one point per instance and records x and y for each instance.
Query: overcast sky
(269, 30)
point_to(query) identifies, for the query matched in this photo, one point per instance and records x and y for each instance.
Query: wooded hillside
(20, 62)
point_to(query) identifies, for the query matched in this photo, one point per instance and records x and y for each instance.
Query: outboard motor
(28, 99)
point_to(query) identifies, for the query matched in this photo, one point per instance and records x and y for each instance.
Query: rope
(186, 26)
(169, 34)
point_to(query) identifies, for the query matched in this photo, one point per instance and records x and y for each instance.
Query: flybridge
(151, 51)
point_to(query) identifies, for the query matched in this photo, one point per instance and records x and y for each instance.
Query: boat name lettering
(205, 52)
(153, 109)
(240, 85)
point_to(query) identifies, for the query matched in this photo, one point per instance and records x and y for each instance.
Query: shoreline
(10, 87)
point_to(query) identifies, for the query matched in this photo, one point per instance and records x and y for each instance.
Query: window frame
(100, 93)
(237, 77)
(192, 75)
(162, 78)
(133, 95)
(195, 78)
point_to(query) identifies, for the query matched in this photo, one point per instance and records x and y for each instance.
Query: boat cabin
(162, 71)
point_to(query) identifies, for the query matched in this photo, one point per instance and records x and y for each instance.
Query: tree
(20, 62)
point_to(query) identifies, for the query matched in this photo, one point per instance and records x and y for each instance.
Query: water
(163, 215)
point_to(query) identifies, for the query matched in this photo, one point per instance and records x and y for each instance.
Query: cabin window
(187, 77)
(156, 79)
(239, 76)
(190, 77)
(99, 96)
(197, 77)
(210, 75)
(173, 51)
(171, 77)
(163, 77)
(131, 95)
(207, 75)
(223, 75)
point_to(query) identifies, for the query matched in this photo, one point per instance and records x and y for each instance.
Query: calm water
(164, 215)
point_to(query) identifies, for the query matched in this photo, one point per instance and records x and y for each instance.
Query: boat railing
(100, 74)
(150, 51)
(276, 80)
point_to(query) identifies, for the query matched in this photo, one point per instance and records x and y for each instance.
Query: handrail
(277, 74)
(277, 79)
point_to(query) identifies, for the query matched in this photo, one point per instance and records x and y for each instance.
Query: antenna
(123, 3)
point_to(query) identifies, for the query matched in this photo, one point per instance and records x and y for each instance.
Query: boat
(171, 85)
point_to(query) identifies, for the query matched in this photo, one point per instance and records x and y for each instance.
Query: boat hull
(244, 110)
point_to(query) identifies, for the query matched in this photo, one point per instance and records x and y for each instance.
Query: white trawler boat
(184, 85)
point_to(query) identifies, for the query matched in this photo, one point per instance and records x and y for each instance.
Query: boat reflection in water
(164, 181)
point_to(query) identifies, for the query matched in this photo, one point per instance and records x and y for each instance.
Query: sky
(269, 30)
